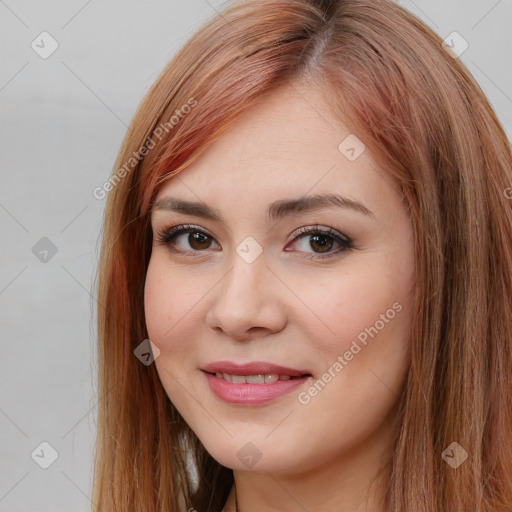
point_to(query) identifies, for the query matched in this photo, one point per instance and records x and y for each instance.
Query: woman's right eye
(197, 240)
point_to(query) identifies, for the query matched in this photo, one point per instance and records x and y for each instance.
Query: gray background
(62, 120)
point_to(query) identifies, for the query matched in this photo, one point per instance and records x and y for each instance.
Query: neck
(252, 492)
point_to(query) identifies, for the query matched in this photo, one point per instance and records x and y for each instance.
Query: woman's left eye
(321, 240)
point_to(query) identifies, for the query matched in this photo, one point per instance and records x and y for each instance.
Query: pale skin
(206, 303)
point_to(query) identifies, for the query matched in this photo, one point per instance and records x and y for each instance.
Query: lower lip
(252, 394)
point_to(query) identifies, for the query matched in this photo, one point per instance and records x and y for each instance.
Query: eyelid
(163, 235)
(321, 229)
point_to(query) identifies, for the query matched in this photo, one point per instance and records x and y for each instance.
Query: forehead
(289, 145)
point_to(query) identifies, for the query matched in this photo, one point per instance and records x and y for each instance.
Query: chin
(256, 456)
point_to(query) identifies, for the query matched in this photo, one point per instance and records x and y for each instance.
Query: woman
(310, 222)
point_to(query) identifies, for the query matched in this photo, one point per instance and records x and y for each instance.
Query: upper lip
(254, 368)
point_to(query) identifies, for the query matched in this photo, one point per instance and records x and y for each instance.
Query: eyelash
(166, 235)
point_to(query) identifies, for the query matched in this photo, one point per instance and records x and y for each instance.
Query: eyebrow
(275, 211)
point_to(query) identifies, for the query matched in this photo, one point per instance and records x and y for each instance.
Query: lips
(253, 384)
(254, 368)
(241, 384)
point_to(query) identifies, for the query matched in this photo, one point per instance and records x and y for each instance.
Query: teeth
(255, 379)
(252, 379)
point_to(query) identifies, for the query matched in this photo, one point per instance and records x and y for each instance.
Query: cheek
(358, 304)
(365, 361)
(156, 304)
(165, 304)
(165, 312)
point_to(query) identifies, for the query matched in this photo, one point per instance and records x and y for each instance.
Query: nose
(247, 303)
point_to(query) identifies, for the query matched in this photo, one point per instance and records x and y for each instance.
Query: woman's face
(248, 285)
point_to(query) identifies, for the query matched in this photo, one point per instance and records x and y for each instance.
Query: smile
(241, 391)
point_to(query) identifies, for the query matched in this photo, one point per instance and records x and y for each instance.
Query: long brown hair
(429, 125)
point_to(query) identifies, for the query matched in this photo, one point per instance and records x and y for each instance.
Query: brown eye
(198, 240)
(321, 241)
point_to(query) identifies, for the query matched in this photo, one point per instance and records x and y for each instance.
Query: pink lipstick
(253, 383)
